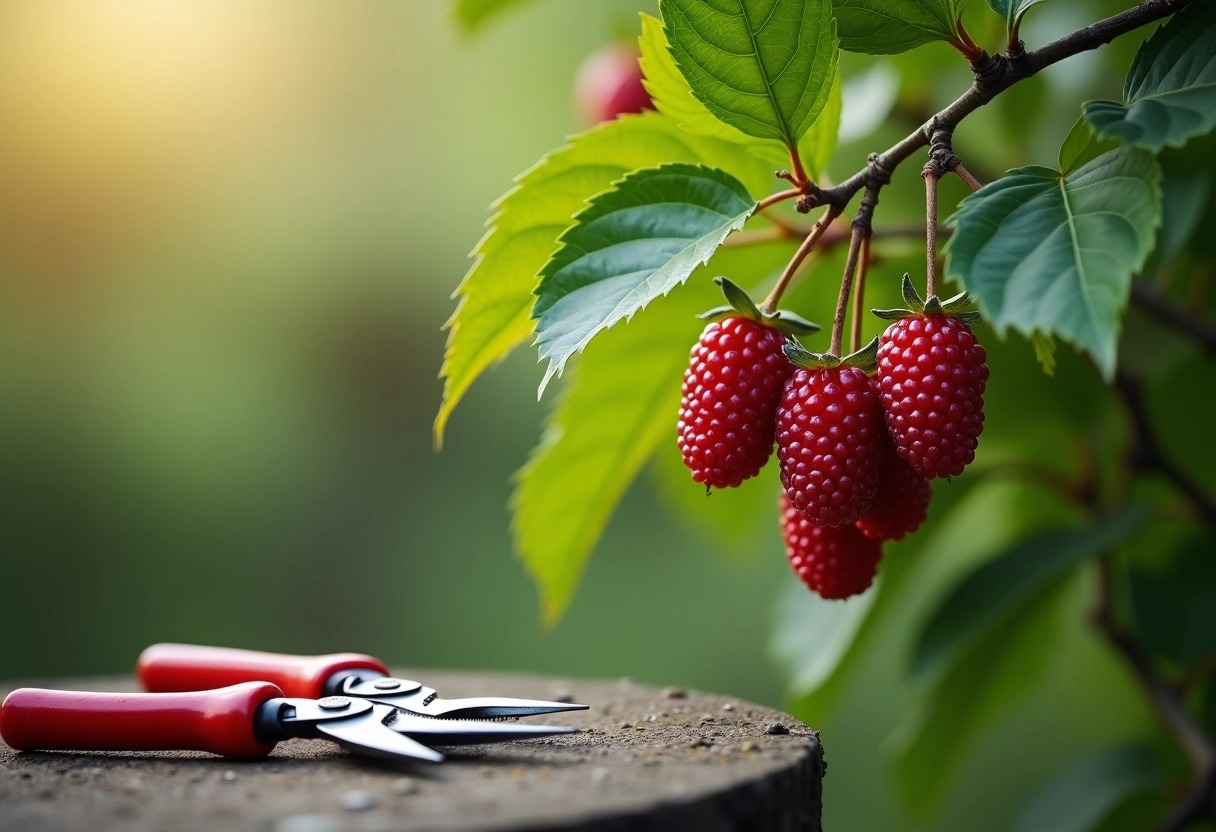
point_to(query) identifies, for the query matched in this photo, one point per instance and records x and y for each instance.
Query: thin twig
(780, 196)
(774, 297)
(1146, 454)
(859, 294)
(753, 237)
(930, 173)
(962, 173)
(1183, 320)
(846, 284)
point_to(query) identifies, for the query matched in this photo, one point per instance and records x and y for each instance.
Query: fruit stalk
(783, 282)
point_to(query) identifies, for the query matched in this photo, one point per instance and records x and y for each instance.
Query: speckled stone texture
(644, 759)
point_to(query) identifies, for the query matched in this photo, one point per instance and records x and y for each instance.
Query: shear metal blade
(369, 733)
(468, 731)
(481, 707)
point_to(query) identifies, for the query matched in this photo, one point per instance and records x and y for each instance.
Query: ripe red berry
(835, 563)
(609, 84)
(901, 504)
(731, 389)
(830, 442)
(933, 376)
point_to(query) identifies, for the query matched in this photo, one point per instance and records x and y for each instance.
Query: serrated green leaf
(986, 596)
(1084, 794)
(471, 14)
(621, 400)
(1082, 146)
(496, 296)
(674, 99)
(1012, 10)
(1170, 92)
(765, 67)
(887, 27)
(632, 244)
(1040, 251)
(993, 672)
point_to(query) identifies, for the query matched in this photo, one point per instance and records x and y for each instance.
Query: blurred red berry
(834, 562)
(609, 84)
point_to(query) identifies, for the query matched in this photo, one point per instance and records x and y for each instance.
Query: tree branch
(993, 75)
(1175, 317)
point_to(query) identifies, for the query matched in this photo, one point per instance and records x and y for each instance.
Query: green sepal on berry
(740, 303)
(865, 359)
(958, 306)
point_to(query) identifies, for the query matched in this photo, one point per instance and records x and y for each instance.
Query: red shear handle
(165, 667)
(219, 721)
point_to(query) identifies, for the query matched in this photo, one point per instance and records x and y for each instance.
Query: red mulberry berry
(731, 389)
(835, 563)
(830, 442)
(933, 376)
(901, 504)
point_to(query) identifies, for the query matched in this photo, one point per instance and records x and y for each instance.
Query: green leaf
(1174, 605)
(1012, 10)
(471, 14)
(621, 400)
(674, 99)
(887, 27)
(1083, 795)
(1170, 92)
(988, 594)
(631, 245)
(496, 296)
(812, 635)
(1041, 251)
(765, 67)
(993, 672)
(1082, 146)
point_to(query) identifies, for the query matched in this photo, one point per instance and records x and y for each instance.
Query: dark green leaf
(1080, 797)
(496, 296)
(988, 594)
(1174, 605)
(1082, 146)
(765, 67)
(1012, 10)
(619, 404)
(471, 14)
(1170, 92)
(1043, 252)
(631, 245)
(886, 27)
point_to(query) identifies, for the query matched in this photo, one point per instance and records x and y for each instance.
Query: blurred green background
(229, 233)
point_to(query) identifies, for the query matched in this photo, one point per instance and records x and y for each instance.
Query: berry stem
(859, 295)
(780, 196)
(800, 177)
(769, 304)
(931, 175)
(846, 285)
(965, 175)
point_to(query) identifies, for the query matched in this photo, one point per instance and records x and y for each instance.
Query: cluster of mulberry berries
(858, 438)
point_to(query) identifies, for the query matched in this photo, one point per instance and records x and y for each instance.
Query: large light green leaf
(765, 67)
(1170, 92)
(674, 99)
(1044, 252)
(471, 14)
(987, 595)
(1012, 10)
(928, 747)
(494, 313)
(886, 27)
(621, 399)
(632, 244)
(1084, 794)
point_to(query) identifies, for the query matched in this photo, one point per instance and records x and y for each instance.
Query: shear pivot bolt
(386, 684)
(333, 703)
